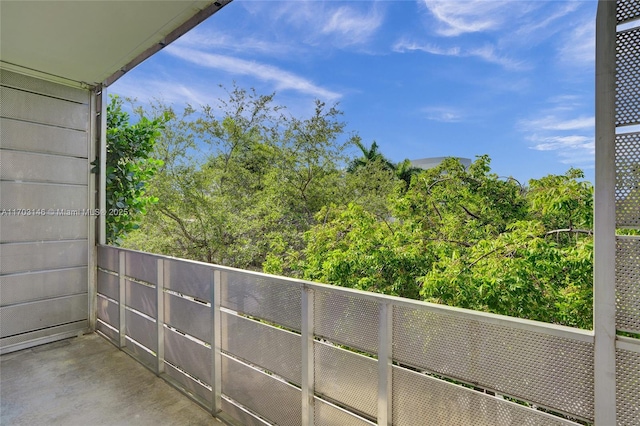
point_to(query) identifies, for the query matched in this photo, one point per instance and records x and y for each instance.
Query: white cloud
(570, 142)
(563, 128)
(146, 88)
(200, 39)
(281, 79)
(351, 26)
(318, 23)
(552, 122)
(404, 45)
(487, 53)
(579, 46)
(460, 17)
(534, 26)
(443, 114)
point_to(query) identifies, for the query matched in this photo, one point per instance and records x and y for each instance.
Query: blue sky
(512, 79)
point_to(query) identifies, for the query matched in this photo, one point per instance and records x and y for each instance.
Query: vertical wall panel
(627, 210)
(44, 175)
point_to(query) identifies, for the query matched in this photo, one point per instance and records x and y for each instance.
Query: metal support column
(160, 317)
(385, 365)
(92, 249)
(122, 298)
(604, 222)
(216, 344)
(308, 378)
(102, 157)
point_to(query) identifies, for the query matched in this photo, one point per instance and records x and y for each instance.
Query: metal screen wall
(270, 350)
(44, 172)
(627, 203)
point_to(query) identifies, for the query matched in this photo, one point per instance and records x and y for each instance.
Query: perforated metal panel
(188, 278)
(43, 87)
(545, 369)
(108, 258)
(141, 266)
(627, 10)
(37, 167)
(141, 298)
(240, 414)
(425, 401)
(628, 387)
(31, 316)
(268, 347)
(347, 378)
(108, 285)
(188, 383)
(276, 401)
(628, 283)
(108, 312)
(329, 415)
(109, 332)
(347, 319)
(142, 330)
(33, 256)
(189, 317)
(628, 77)
(140, 353)
(26, 106)
(190, 356)
(43, 165)
(264, 297)
(29, 287)
(628, 179)
(21, 135)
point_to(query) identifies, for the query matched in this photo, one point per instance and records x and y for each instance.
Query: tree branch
(570, 230)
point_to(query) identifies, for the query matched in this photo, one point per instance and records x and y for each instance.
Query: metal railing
(263, 349)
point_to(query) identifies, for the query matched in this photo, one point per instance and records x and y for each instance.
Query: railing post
(604, 302)
(307, 357)
(121, 297)
(160, 317)
(385, 364)
(216, 343)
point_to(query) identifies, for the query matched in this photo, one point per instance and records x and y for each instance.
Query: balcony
(88, 381)
(256, 348)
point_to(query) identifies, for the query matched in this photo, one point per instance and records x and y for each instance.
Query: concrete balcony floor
(87, 381)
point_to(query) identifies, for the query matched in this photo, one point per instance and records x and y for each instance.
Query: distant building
(431, 162)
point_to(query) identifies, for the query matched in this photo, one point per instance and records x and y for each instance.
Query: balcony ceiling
(91, 41)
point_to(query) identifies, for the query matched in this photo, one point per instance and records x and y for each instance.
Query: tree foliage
(130, 165)
(466, 238)
(243, 179)
(245, 184)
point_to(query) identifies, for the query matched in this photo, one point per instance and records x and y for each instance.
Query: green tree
(369, 155)
(243, 180)
(405, 171)
(130, 165)
(467, 238)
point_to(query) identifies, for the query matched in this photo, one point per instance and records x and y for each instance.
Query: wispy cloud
(552, 143)
(201, 39)
(281, 79)
(460, 17)
(579, 46)
(561, 128)
(146, 88)
(443, 114)
(317, 23)
(352, 26)
(552, 122)
(575, 150)
(486, 52)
